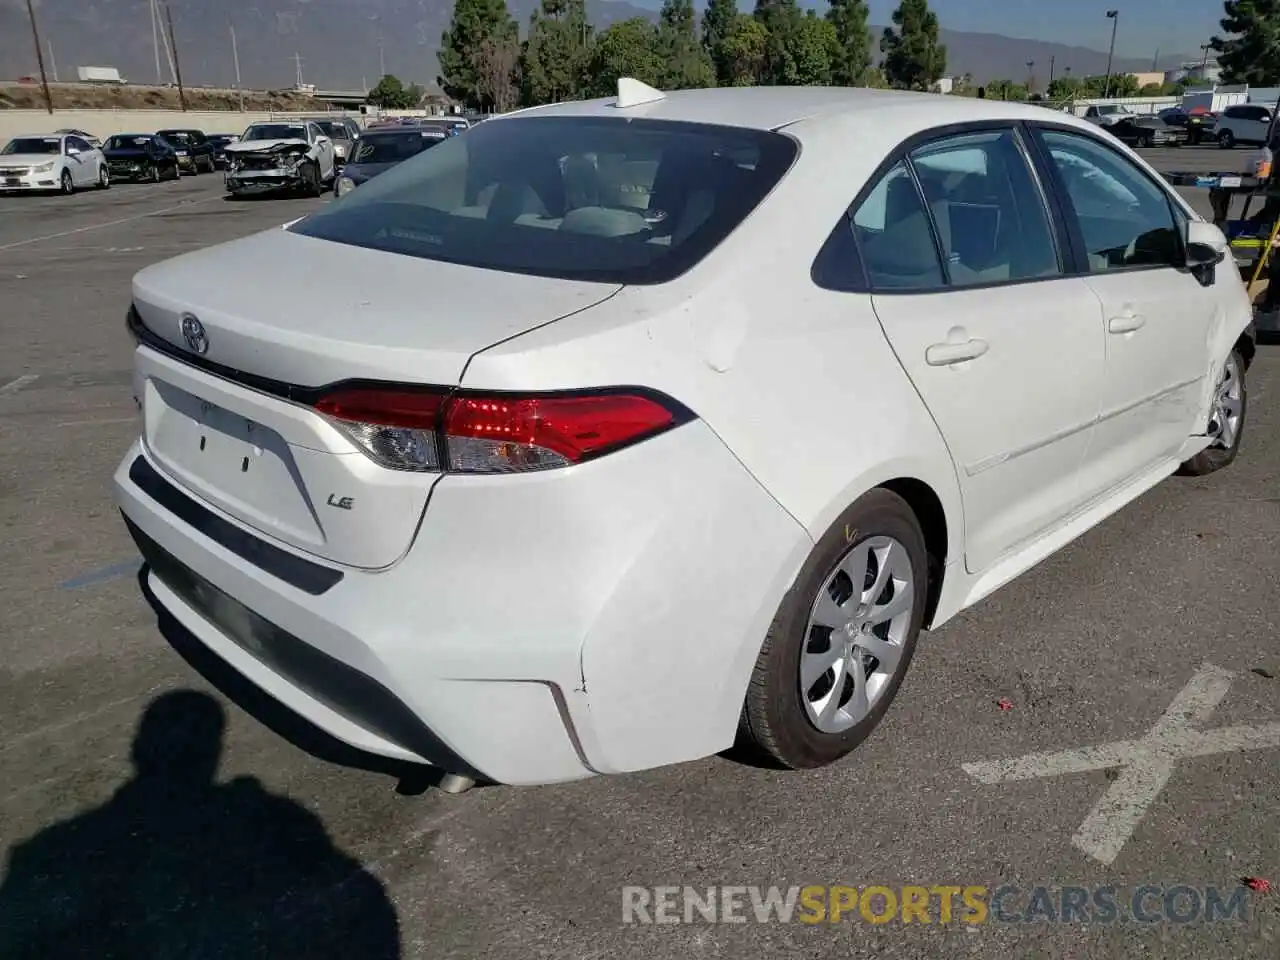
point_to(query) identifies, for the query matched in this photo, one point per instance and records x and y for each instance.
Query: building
(944, 85)
(1150, 79)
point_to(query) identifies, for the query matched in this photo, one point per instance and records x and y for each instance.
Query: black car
(219, 142)
(1199, 126)
(1147, 132)
(195, 152)
(141, 156)
(379, 150)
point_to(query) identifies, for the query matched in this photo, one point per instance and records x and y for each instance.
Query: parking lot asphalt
(1165, 612)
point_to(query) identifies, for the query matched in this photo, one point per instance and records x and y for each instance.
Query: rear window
(597, 199)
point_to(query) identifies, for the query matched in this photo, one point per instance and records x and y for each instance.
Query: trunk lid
(278, 310)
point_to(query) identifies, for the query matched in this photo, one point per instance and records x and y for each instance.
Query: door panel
(1006, 352)
(1157, 316)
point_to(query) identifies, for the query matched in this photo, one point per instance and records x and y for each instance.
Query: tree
(743, 52)
(853, 42)
(1006, 90)
(390, 94)
(474, 23)
(913, 57)
(554, 65)
(497, 69)
(717, 22)
(814, 47)
(627, 49)
(781, 20)
(686, 62)
(1251, 51)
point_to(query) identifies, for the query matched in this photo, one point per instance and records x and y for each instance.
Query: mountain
(343, 43)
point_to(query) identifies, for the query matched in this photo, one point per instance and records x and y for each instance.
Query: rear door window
(587, 198)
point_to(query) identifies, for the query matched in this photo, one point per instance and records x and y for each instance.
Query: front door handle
(1127, 322)
(946, 354)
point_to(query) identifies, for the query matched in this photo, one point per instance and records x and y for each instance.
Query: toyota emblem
(193, 333)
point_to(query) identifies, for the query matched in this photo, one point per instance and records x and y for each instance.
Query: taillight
(406, 428)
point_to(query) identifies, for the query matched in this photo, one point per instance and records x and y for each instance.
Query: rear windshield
(275, 131)
(126, 142)
(394, 147)
(599, 199)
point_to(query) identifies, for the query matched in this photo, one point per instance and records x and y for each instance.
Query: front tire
(311, 181)
(156, 175)
(843, 638)
(66, 184)
(1226, 140)
(1227, 412)
(104, 177)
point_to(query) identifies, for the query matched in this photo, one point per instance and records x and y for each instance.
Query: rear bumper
(542, 628)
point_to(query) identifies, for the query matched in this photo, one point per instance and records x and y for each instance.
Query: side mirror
(1206, 244)
(322, 139)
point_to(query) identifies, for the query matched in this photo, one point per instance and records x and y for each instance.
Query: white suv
(718, 399)
(1246, 123)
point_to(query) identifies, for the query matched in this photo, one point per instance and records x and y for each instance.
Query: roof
(768, 108)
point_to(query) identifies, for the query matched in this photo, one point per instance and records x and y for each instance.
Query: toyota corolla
(721, 397)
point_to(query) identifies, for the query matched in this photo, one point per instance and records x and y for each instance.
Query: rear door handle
(1127, 322)
(945, 354)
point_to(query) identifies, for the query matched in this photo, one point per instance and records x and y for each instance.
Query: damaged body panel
(274, 157)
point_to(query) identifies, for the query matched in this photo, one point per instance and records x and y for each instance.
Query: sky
(1172, 26)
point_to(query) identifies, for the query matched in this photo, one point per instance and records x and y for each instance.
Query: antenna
(297, 60)
(632, 93)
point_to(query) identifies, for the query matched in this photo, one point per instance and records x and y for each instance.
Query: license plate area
(231, 461)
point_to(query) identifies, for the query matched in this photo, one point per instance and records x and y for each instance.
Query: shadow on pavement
(178, 865)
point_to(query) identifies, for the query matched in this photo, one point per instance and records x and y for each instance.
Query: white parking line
(13, 386)
(109, 223)
(1147, 763)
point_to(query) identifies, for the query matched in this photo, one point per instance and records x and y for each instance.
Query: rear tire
(104, 178)
(1226, 420)
(1226, 140)
(803, 716)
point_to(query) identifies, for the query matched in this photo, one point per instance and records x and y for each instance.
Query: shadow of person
(178, 865)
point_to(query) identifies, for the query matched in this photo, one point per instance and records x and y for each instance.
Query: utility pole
(177, 67)
(155, 41)
(52, 62)
(235, 56)
(1204, 62)
(297, 62)
(1114, 17)
(382, 60)
(1053, 63)
(44, 81)
(1031, 76)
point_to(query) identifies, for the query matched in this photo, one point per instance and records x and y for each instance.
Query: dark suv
(195, 152)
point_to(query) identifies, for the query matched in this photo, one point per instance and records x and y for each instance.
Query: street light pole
(44, 81)
(1114, 17)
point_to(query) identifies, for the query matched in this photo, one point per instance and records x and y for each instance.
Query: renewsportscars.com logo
(939, 904)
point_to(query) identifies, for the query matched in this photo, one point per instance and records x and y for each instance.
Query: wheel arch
(1247, 347)
(932, 516)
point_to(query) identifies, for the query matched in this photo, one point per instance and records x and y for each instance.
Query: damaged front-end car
(255, 167)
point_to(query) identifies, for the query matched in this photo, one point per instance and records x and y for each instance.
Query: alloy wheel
(857, 627)
(1228, 405)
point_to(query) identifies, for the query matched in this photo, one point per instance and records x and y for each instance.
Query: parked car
(141, 156)
(1245, 123)
(1198, 123)
(377, 151)
(342, 133)
(637, 480)
(43, 162)
(219, 142)
(195, 152)
(88, 137)
(293, 155)
(1148, 132)
(1108, 114)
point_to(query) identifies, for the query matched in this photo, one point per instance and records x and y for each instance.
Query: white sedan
(718, 399)
(43, 162)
